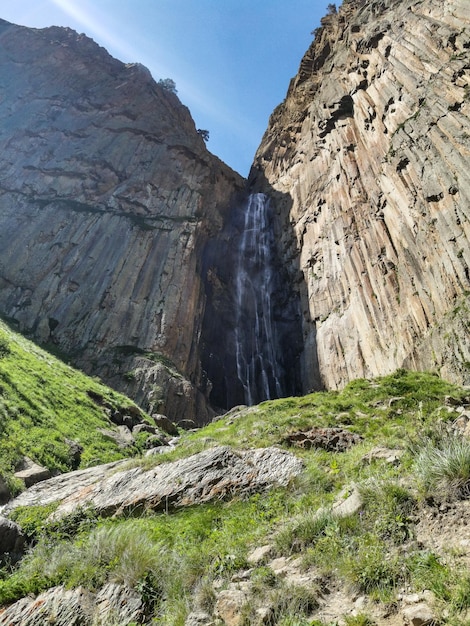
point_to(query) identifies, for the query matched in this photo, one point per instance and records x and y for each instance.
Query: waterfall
(257, 347)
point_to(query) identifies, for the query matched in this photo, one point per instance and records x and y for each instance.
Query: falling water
(257, 352)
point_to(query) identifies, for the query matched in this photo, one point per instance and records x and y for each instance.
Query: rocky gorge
(340, 266)
(121, 234)
(367, 162)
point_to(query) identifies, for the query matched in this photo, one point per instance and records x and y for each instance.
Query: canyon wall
(108, 197)
(367, 163)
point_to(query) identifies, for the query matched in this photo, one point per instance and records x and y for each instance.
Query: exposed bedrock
(368, 159)
(108, 196)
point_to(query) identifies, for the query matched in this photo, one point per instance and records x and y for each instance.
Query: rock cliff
(366, 161)
(108, 196)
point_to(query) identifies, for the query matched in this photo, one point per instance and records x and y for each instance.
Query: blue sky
(231, 60)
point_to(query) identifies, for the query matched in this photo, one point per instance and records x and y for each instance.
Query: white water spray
(257, 353)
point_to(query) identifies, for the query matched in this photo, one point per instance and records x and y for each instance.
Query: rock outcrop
(216, 473)
(366, 162)
(108, 196)
(77, 607)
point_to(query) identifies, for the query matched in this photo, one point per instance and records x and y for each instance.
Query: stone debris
(330, 439)
(31, 472)
(260, 554)
(418, 615)
(379, 453)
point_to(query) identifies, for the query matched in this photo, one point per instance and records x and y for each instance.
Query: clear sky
(231, 60)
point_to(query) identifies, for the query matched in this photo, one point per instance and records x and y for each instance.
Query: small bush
(358, 620)
(293, 601)
(5, 349)
(443, 467)
(427, 571)
(371, 567)
(387, 510)
(304, 531)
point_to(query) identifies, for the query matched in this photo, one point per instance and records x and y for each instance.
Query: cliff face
(367, 164)
(108, 196)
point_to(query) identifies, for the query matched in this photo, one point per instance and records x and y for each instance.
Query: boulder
(5, 494)
(144, 428)
(75, 451)
(121, 435)
(213, 474)
(31, 473)
(418, 615)
(229, 606)
(12, 541)
(165, 424)
(199, 619)
(113, 604)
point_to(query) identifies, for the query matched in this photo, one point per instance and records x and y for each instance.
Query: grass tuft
(443, 467)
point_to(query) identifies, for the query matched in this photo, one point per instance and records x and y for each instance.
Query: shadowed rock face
(107, 198)
(368, 161)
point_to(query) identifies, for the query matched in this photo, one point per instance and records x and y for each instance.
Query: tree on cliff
(168, 84)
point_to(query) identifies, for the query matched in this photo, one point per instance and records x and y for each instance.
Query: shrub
(371, 567)
(387, 510)
(304, 531)
(358, 620)
(168, 85)
(443, 467)
(4, 347)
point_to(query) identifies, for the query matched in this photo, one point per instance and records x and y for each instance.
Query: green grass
(173, 559)
(44, 403)
(443, 467)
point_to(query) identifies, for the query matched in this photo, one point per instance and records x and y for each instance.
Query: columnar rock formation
(119, 231)
(367, 163)
(107, 198)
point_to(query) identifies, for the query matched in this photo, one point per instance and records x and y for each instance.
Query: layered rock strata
(108, 196)
(367, 164)
(214, 474)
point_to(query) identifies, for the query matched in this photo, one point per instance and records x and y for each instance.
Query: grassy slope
(44, 402)
(173, 559)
